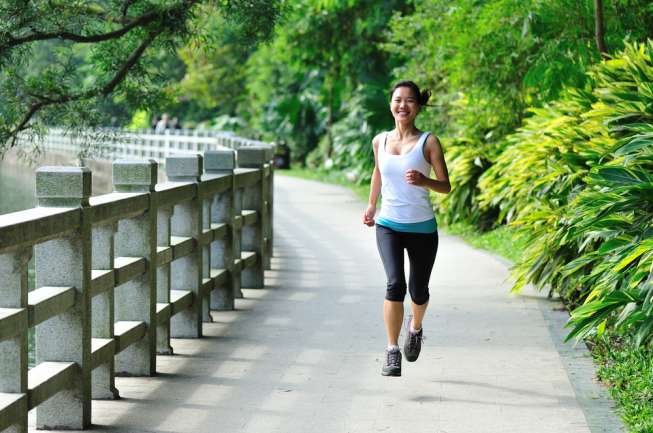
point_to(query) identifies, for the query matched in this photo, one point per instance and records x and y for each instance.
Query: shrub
(577, 179)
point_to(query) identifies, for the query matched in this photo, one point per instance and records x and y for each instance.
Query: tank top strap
(423, 138)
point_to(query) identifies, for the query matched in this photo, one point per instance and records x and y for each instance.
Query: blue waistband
(428, 226)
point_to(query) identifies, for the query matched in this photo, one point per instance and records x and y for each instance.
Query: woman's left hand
(415, 177)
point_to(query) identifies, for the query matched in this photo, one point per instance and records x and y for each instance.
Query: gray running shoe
(392, 363)
(413, 343)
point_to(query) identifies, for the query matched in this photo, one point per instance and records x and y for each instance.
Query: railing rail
(118, 275)
(116, 143)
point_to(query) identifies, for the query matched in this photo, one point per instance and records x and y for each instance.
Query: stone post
(13, 352)
(253, 198)
(135, 300)
(163, 346)
(66, 262)
(186, 272)
(223, 162)
(269, 207)
(102, 310)
(206, 203)
(237, 241)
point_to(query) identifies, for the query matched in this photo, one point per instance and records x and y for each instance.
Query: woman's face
(404, 105)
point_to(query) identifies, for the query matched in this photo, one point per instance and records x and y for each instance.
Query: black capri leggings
(421, 247)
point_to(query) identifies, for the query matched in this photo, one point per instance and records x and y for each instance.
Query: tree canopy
(66, 62)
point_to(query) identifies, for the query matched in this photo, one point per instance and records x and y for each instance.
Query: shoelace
(416, 337)
(413, 337)
(393, 357)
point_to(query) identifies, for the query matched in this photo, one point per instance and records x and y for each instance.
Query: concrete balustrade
(119, 274)
(253, 200)
(221, 163)
(63, 341)
(187, 225)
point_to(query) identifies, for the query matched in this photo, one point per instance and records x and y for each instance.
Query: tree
(99, 50)
(326, 52)
(598, 24)
(214, 80)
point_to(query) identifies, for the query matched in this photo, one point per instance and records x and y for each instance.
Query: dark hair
(421, 96)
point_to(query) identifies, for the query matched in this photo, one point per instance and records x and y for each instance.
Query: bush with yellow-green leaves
(577, 178)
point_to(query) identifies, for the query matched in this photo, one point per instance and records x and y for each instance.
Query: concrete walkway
(304, 354)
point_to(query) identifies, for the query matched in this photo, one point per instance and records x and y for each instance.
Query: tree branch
(125, 8)
(104, 90)
(42, 101)
(40, 36)
(131, 61)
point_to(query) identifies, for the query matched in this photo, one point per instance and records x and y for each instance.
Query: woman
(403, 159)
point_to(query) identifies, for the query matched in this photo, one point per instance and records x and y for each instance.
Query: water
(16, 187)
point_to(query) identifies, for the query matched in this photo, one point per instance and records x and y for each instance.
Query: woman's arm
(375, 186)
(433, 152)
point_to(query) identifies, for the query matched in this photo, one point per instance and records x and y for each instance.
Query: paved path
(304, 354)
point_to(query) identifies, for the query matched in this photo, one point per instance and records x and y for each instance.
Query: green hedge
(576, 178)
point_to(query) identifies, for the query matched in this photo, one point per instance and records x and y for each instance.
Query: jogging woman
(403, 159)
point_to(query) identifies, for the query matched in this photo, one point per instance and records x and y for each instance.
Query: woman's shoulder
(432, 139)
(378, 138)
(432, 145)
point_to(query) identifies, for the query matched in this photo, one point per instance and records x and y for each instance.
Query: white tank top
(401, 201)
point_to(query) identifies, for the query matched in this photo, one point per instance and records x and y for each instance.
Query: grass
(504, 241)
(628, 373)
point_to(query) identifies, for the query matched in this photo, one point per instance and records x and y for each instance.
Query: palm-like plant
(577, 178)
(544, 160)
(467, 161)
(615, 212)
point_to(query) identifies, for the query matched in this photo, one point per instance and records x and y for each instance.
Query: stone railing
(114, 143)
(118, 275)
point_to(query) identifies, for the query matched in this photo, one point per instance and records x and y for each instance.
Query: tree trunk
(330, 119)
(598, 27)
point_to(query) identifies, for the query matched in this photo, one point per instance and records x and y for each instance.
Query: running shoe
(413, 343)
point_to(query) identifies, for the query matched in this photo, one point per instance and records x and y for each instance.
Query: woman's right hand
(368, 216)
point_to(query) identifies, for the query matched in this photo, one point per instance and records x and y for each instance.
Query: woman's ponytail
(424, 98)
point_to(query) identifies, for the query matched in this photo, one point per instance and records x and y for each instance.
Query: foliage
(467, 161)
(505, 241)
(353, 134)
(577, 179)
(628, 370)
(615, 213)
(545, 159)
(521, 53)
(91, 53)
(214, 80)
(140, 120)
(325, 63)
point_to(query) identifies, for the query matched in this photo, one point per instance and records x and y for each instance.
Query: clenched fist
(368, 216)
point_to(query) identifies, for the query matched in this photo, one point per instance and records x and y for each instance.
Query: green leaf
(641, 249)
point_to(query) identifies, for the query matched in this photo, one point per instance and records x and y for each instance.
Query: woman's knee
(420, 296)
(395, 292)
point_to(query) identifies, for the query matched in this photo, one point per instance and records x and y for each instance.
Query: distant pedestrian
(403, 159)
(174, 123)
(163, 123)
